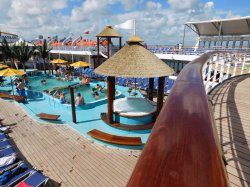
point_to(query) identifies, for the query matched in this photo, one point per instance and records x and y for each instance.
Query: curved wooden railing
(182, 150)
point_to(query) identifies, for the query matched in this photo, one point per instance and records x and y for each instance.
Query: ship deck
(232, 116)
(69, 159)
(66, 157)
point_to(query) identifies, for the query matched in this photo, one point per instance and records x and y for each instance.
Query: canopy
(80, 64)
(58, 61)
(234, 26)
(11, 72)
(3, 66)
(135, 61)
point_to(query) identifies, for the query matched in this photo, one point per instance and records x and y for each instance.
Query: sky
(157, 22)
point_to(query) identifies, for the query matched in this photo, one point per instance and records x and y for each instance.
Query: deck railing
(182, 149)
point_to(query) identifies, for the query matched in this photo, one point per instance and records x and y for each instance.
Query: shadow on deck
(231, 110)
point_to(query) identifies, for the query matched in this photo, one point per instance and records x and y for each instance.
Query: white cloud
(209, 5)
(153, 5)
(155, 23)
(182, 4)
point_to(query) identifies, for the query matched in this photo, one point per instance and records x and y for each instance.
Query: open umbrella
(80, 64)
(9, 72)
(2, 66)
(58, 61)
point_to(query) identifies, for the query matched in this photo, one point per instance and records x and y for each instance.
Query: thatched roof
(109, 32)
(134, 60)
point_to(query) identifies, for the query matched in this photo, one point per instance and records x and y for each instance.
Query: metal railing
(183, 148)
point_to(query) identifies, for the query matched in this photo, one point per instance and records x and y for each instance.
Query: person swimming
(79, 100)
(43, 81)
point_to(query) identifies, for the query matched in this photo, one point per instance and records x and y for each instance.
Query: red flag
(87, 32)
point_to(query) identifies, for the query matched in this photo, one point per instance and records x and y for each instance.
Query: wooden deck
(65, 156)
(232, 116)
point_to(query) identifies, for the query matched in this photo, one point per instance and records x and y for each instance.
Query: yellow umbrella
(3, 66)
(58, 61)
(11, 72)
(80, 64)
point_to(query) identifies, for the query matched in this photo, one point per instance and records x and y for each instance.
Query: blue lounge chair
(10, 166)
(4, 143)
(3, 136)
(6, 151)
(35, 179)
(17, 174)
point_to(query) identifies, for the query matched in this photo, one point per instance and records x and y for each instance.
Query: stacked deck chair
(14, 171)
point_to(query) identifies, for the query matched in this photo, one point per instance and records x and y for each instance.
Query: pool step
(121, 140)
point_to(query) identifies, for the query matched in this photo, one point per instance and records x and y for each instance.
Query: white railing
(223, 65)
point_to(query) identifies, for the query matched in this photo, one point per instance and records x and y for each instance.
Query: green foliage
(44, 52)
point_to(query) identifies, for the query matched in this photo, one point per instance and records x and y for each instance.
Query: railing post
(228, 63)
(216, 67)
(243, 64)
(209, 73)
(235, 64)
(222, 68)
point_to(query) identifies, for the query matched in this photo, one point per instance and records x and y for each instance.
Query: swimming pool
(88, 117)
(54, 87)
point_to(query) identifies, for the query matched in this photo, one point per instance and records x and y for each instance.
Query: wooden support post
(160, 94)
(108, 54)
(151, 89)
(111, 96)
(120, 43)
(72, 100)
(98, 51)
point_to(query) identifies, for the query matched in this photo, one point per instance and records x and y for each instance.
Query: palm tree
(22, 53)
(7, 51)
(44, 52)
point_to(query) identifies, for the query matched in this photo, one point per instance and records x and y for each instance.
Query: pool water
(35, 83)
(85, 91)
(52, 83)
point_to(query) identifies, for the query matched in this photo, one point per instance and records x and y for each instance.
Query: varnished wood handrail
(182, 148)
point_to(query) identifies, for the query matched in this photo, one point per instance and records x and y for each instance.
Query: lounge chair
(35, 179)
(6, 151)
(10, 166)
(3, 136)
(4, 143)
(19, 173)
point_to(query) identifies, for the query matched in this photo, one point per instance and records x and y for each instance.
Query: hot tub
(134, 111)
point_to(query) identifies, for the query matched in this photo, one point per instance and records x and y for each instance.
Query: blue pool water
(88, 118)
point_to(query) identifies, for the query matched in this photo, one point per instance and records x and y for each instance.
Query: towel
(7, 160)
(23, 184)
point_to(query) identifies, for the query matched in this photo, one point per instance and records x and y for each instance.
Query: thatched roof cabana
(108, 31)
(134, 60)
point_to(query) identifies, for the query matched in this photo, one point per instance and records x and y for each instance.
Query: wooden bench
(122, 140)
(46, 116)
(14, 97)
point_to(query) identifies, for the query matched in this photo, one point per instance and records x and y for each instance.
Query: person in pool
(93, 91)
(99, 87)
(79, 100)
(62, 98)
(97, 96)
(21, 88)
(43, 81)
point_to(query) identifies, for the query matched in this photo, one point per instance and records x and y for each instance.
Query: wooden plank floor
(66, 157)
(232, 116)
